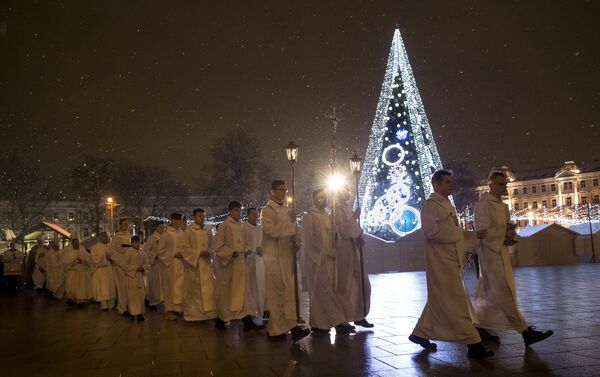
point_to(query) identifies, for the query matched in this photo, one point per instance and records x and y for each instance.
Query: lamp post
(111, 204)
(291, 151)
(593, 259)
(355, 168)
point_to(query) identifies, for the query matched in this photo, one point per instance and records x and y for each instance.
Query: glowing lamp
(355, 164)
(336, 182)
(291, 151)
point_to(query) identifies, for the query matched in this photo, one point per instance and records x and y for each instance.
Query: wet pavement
(40, 336)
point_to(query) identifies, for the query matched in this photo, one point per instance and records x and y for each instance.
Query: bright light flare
(336, 182)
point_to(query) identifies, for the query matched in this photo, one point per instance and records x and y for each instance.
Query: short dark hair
(135, 238)
(176, 216)
(250, 209)
(495, 173)
(123, 219)
(234, 204)
(277, 182)
(317, 192)
(197, 210)
(438, 176)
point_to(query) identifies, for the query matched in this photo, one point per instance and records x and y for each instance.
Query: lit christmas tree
(401, 156)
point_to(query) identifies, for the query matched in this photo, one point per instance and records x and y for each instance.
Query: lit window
(553, 187)
(515, 192)
(70, 216)
(544, 204)
(584, 200)
(543, 188)
(524, 190)
(569, 201)
(534, 205)
(553, 203)
(55, 216)
(534, 189)
(582, 184)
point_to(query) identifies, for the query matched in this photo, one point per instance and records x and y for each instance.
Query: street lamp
(355, 168)
(291, 151)
(111, 204)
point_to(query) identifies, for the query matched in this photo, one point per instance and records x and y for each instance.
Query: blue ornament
(402, 134)
(407, 222)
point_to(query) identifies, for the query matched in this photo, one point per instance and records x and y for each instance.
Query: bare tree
(464, 193)
(236, 169)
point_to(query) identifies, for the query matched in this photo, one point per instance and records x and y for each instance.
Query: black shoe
(152, 308)
(425, 343)
(220, 324)
(531, 335)
(318, 331)
(299, 333)
(126, 314)
(364, 323)
(485, 335)
(478, 351)
(280, 337)
(139, 317)
(104, 310)
(345, 329)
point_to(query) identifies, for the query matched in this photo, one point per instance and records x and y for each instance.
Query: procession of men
(248, 270)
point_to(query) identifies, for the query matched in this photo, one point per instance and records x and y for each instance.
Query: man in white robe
(53, 268)
(78, 278)
(118, 245)
(103, 279)
(255, 263)
(153, 293)
(234, 299)
(13, 266)
(170, 255)
(135, 268)
(447, 313)
(30, 262)
(199, 285)
(496, 304)
(38, 276)
(279, 236)
(351, 279)
(326, 308)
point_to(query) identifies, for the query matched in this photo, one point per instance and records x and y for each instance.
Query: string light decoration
(401, 156)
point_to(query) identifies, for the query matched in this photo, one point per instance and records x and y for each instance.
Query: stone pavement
(40, 336)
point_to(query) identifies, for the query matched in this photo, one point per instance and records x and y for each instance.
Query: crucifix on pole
(332, 167)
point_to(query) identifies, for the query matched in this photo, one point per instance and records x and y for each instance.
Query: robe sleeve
(131, 263)
(223, 252)
(346, 226)
(273, 228)
(67, 258)
(485, 218)
(311, 239)
(188, 252)
(165, 254)
(97, 257)
(438, 225)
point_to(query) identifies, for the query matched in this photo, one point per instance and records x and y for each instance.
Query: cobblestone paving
(40, 336)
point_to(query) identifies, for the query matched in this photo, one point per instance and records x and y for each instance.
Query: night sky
(502, 82)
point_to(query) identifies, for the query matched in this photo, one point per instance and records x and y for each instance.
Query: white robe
(13, 262)
(199, 286)
(55, 273)
(234, 300)
(38, 275)
(153, 293)
(171, 269)
(496, 304)
(349, 282)
(447, 313)
(117, 255)
(103, 279)
(78, 277)
(278, 235)
(256, 266)
(135, 266)
(326, 309)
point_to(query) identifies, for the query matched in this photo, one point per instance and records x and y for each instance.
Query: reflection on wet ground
(43, 337)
